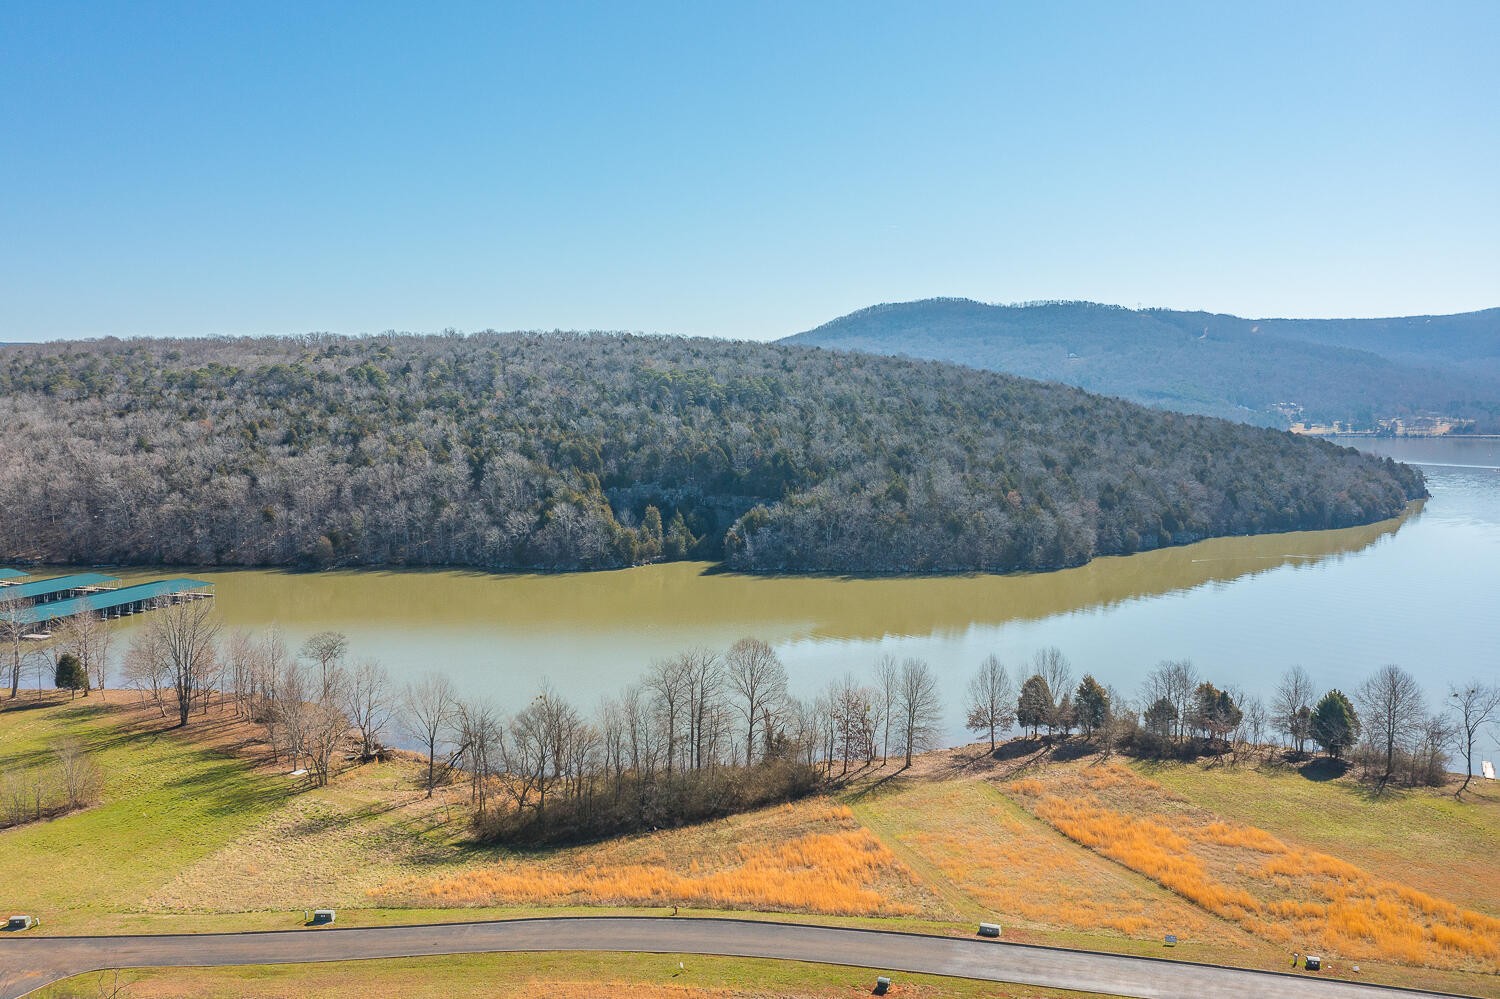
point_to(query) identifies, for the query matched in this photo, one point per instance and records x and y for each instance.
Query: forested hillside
(1352, 370)
(588, 451)
(1471, 338)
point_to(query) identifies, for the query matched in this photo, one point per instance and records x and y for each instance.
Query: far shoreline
(709, 568)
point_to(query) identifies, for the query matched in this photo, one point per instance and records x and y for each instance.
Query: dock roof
(13, 573)
(110, 599)
(57, 584)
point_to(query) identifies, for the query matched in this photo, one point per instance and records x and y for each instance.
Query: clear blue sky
(744, 171)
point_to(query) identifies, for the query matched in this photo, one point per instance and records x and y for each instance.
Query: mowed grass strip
(561, 975)
(166, 804)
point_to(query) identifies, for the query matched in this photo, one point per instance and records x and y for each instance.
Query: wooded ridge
(1356, 371)
(587, 451)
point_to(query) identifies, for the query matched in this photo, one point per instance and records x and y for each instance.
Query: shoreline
(710, 568)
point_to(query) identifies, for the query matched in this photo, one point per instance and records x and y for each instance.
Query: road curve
(27, 963)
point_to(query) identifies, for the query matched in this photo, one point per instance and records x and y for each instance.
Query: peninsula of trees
(586, 451)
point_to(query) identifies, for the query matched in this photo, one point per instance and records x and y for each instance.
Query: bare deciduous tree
(1473, 706)
(851, 720)
(669, 682)
(758, 679)
(184, 635)
(325, 724)
(428, 706)
(1391, 709)
(88, 636)
(240, 659)
(368, 701)
(992, 698)
(887, 680)
(1050, 664)
(290, 720)
(919, 708)
(271, 665)
(15, 623)
(705, 688)
(1292, 706)
(1175, 682)
(80, 777)
(1253, 724)
(145, 667)
(479, 749)
(327, 649)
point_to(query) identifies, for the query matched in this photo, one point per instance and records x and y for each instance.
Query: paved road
(27, 963)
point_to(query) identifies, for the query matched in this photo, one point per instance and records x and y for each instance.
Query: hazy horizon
(82, 337)
(177, 169)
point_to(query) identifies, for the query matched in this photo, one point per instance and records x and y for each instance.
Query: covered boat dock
(126, 600)
(79, 584)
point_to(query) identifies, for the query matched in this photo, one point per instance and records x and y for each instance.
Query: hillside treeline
(569, 451)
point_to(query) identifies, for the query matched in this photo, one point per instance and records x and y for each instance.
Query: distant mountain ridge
(1353, 370)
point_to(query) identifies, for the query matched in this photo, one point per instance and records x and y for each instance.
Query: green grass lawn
(166, 803)
(562, 975)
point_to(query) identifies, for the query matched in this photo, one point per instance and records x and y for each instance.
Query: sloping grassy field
(1243, 865)
(1279, 891)
(167, 803)
(1450, 848)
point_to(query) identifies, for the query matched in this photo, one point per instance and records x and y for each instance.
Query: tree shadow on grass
(1017, 749)
(1323, 769)
(1018, 756)
(31, 702)
(874, 786)
(1073, 749)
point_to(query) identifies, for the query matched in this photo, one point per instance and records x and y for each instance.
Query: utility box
(321, 916)
(1313, 962)
(20, 922)
(882, 985)
(989, 929)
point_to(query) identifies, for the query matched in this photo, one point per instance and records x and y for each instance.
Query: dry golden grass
(1018, 868)
(1422, 837)
(1280, 892)
(807, 857)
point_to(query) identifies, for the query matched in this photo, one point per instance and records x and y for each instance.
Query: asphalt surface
(27, 963)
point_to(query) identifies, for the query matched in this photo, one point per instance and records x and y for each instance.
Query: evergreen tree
(1064, 714)
(1160, 717)
(1335, 725)
(1214, 712)
(1091, 704)
(679, 541)
(1034, 707)
(70, 675)
(649, 543)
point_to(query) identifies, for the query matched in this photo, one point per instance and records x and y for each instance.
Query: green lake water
(1419, 591)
